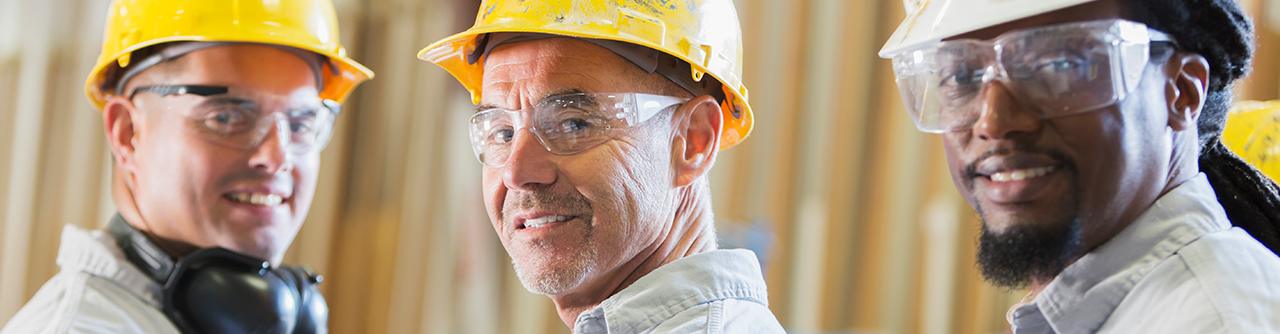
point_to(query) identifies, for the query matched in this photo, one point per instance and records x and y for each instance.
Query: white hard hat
(930, 21)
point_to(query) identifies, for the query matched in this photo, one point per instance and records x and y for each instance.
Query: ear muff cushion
(313, 312)
(199, 297)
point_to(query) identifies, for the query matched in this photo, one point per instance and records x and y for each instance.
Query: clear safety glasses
(243, 117)
(564, 124)
(1058, 70)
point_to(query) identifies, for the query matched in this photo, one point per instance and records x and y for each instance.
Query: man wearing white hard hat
(1086, 135)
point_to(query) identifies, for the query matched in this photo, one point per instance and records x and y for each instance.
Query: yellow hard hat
(310, 25)
(1253, 133)
(703, 33)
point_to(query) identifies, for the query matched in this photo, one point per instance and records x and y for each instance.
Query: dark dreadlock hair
(1220, 31)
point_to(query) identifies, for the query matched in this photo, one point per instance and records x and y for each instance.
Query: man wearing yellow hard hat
(1086, 134)
(598, 123)
(216, 115)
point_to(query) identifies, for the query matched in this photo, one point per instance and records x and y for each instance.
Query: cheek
(307, 169)
(954, 148)
(1097, 143)
(177, 165)
(630, 183)
(494, 193)
(306, 174)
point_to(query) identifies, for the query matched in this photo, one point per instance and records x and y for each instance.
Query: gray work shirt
(1180, 267)
(97, 291)
(720, 291)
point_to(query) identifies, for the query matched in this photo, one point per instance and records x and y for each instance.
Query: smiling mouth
(543, 221)
(267, 200)
(1022, 174)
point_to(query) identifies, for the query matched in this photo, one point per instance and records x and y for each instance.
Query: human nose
(271, 154)
(529, 164)
(1003, 116)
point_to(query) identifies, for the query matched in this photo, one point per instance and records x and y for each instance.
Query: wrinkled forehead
(1091, 11)
(529, 70)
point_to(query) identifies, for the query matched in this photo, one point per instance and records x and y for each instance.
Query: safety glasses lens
(1056, 70)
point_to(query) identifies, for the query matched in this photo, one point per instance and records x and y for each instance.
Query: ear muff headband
(215, 290)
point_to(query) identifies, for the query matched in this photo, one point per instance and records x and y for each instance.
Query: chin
(264, 244)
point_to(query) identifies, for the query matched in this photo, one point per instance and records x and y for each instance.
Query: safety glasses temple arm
(166, 90)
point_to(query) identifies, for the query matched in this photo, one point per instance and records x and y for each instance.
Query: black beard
(1028, 251)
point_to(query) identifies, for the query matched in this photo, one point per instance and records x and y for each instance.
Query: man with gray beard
(598, 122)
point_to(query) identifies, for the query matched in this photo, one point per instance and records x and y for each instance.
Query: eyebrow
(563, 91)
(243, 105)
(230, 101)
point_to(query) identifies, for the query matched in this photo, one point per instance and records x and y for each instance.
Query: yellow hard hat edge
(471, 34)
(732, 133)
(98, 98)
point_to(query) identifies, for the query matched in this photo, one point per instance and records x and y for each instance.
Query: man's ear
(121, 120)
(1187, 88)
(698, 125)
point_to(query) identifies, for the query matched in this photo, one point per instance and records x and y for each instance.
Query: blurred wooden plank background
(868, 234)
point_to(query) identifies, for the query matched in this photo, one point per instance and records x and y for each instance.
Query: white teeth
(257, 199)
(543, 221)
(1022, 174)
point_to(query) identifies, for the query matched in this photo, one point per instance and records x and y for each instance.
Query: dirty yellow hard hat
(310, 25)
(1253, 133)
(703, 33)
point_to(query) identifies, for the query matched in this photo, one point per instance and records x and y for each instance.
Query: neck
(122, 194)
(1184, 164)
(691, 231)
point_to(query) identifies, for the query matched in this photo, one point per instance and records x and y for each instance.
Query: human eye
(501, 135)
(227, 118)
(1059, 64)
(572, 125)
(493, 127)
(960, 81)
(576, 123)
(303, 122)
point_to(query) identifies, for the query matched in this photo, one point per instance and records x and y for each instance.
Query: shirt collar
(96, 253)
(1083, 296)
(675, 287)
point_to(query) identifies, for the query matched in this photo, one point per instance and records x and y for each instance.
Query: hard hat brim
(337, 90)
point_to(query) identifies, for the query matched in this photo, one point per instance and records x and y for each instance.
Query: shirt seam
(75, 295)
(1213, 300)
(698, 299)
(715, 317)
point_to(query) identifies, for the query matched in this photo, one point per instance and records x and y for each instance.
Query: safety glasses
(1058, 70)
(564, 124)
(243, 117)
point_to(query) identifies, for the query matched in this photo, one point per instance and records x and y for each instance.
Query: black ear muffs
(215, 290)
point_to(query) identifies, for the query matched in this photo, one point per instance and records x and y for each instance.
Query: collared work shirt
(720, 291)
(1178, 268)
(96, 291)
